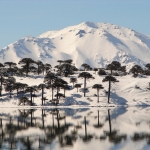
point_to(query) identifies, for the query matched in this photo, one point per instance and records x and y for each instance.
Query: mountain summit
(96, 44)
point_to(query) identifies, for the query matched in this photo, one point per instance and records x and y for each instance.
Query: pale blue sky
(20, 18)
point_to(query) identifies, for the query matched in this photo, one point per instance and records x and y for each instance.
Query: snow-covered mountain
(96, 44)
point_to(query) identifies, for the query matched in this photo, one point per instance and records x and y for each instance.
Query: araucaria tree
(85, 76)
(73, 80)
(98, 87)
(30, 89)
(77, 86)
(109, 79)
(9, 85)
(10, 64)
(3, 73)
(42, 87)
(135, 70)
(49, 79)
(66, 68)
(39, 66)
(148, 66)
(59, 83)
(26, 63)
(115, 65)
(18, 86)
(85, 66)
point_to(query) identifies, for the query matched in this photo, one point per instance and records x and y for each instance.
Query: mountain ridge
(96, 44)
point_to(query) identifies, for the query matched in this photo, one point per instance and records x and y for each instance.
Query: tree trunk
(42, 95)
(109, 121)
(97, 95)
(10, 93)
(1, 85)
(58, 121)
(17, 92)
(18, 122)
(1, 81)
(31, 98)
(1, 124)
(84, 86)
(31, 122)
(57, 93)
(53, 119)
(98, 117)
(27, 69)
(38, 69)
(109, 90)
(43, 118)
(85, 127)
(52, 92)
(64, 92)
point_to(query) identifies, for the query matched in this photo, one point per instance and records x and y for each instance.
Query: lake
(116, 128)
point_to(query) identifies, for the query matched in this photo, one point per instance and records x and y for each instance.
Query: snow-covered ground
(123, 93)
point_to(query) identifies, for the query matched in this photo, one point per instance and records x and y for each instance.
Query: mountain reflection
(34, 129)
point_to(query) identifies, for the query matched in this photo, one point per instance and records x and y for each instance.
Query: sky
(20, 18)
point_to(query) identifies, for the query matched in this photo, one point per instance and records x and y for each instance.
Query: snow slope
(96, 44)
(123, 93)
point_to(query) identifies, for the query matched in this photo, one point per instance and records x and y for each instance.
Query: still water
(75, 129)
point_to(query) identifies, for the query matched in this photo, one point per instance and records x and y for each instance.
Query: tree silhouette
(18, 86)
(1, 65)
(42, 87)
(39, 64)
(10, 64)
(115, 65)
(30, 89)
(113, 134)
(73, 80)
(95, 69)
(24, 100)
(66, 69)
(33, 69)
(3, 73)
(136, 69)
(46, 68)
(77, 86)
(9, 85)
(26, 63)
(60, 61)
(49, 79)
(109, 79)
(148, 66)
(87, 137)
(101, 72)
(59, 84)
(85, 76)
(98, 87)
(85, 66)
(98, 125)
(65, 87)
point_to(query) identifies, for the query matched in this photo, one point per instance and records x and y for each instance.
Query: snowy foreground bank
(129, 91)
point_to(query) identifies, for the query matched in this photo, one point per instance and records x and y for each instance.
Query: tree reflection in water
(61, 127)
(113, 135)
